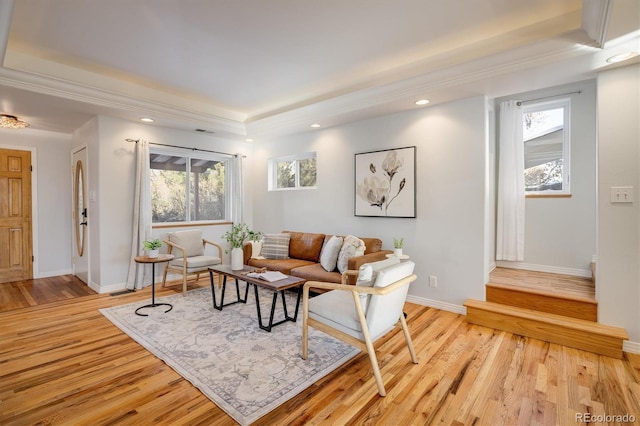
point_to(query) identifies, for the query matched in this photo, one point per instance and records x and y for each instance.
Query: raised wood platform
(556, 308)
(576, 333)
(541, 300)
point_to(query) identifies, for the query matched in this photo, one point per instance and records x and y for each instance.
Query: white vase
(237, 259)
(153, 253)
(397, 252)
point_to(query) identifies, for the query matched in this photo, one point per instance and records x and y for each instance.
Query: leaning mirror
(80, 208)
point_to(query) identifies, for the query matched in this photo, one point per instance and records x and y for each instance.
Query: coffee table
(276, 286)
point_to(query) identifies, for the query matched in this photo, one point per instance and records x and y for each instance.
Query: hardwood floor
(64, 363)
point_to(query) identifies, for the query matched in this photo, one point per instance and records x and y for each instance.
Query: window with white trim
(292, 172)
(546, 134)
(188, 187)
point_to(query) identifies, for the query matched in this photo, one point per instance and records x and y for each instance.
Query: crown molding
(595, 17)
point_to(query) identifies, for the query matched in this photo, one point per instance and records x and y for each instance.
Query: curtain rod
(184, 147)
(519, 103)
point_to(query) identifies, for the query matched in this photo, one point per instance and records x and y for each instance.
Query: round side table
(402, 257)
(153, 260)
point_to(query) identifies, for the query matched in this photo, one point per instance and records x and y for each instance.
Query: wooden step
(542, 300)
(576, 333)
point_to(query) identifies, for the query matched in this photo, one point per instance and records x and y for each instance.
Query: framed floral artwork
(386, 183)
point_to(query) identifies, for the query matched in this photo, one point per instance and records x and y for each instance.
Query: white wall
(52, 208)
(114, 185)
(560, 233)
(447, 239)
(618, 271)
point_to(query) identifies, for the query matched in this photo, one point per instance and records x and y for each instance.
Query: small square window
(292, 172)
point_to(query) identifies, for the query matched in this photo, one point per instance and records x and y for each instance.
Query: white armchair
(188, 247)
(361, 314)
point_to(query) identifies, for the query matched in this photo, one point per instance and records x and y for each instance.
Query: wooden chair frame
(183, 269)
(366, 344)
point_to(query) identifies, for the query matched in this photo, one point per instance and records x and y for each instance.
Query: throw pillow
(351, 247)
(330, 252)
(256, 250)
(276, 246)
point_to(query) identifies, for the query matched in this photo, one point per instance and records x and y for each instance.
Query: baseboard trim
(52, 273)
(450, 307)
(585, 273)
(631, 347)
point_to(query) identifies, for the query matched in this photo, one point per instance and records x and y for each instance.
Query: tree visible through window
(546, 147)
(187, 188)
(293, 172)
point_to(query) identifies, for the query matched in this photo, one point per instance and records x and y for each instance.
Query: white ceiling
(256, 67)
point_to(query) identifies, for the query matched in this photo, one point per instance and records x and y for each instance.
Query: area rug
(244, 370)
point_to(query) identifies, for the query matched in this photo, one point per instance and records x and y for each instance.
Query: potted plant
(152, 247)
(237, 236)
(398, 243)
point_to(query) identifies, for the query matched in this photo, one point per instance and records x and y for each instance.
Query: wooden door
(15, 216)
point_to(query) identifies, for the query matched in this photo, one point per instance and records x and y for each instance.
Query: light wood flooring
(63, 363)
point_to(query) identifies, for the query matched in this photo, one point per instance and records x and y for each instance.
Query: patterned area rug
(244, 370)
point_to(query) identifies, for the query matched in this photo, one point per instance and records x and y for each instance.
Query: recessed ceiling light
(315, 125)
(621, 57)
(248, 140)
(147, 119)
(422, 102)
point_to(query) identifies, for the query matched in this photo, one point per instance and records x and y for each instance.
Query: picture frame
(385, 183)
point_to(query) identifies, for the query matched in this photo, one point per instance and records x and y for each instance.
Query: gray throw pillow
(276, 246)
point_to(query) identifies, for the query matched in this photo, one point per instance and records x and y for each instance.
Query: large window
(292, 172)
(546, 134)
(188, 188)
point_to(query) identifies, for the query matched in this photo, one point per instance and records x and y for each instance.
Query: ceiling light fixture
(147, 119)
(422, 102)
(12, 122)
(315, 125)
(621, 57)
(248, 140)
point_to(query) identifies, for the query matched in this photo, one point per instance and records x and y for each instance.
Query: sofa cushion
(315, 272)
(283, 265)
(305, 245)
(372, 245)
(330, 252)
(276, 246)
(351, 247)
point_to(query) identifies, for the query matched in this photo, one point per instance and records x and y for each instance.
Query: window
(545, 129)
(293, 172)
(188, 188)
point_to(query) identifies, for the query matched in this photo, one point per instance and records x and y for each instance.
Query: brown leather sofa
(304, 257)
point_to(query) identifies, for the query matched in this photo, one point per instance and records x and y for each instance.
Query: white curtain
(511, 198)
(236, 189)
(141, 230)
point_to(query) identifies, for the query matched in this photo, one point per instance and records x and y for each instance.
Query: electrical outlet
(621, 194)
(433, 281)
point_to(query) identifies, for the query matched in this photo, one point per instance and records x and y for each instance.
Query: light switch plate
(621, 194)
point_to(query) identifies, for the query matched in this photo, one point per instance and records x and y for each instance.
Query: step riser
(554, 333)
(542, 302)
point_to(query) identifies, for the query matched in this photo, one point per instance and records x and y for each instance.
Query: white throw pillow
(330, 252)
(256, 250)
(276, 246)
(351, 247)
